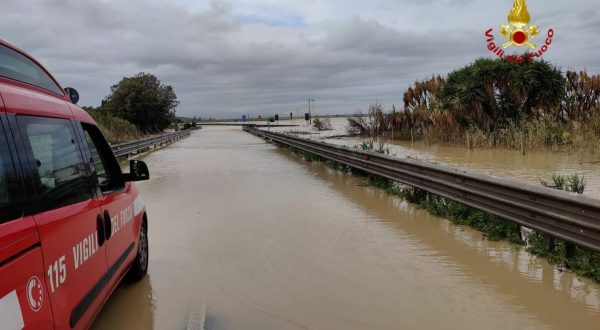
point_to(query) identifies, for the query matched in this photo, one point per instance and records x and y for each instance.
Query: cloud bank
(225, 58)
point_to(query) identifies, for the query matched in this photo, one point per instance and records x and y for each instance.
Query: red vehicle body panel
(63, 233)
(23, 101)
(120, 208)
(62, 242)
(16, 277)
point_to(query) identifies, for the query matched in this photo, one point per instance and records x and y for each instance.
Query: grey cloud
(222, 67)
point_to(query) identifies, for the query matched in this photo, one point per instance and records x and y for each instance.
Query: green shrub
(369, 145)
(493, 227)
(570, 183)
(115, 129)
(582, 261)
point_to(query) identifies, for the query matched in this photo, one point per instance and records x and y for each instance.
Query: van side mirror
(138, 171)
(73, 94)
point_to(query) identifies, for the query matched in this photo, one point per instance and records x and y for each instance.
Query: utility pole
(309, 115)
(309, 112)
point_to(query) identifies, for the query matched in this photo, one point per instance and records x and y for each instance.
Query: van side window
(59, 173)
(10, 187)
(16, 66)
(108, 171)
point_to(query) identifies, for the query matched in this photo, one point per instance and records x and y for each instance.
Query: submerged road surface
(252, 237)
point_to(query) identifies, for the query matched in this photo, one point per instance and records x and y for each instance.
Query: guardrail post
(569, 250)
(549, 242)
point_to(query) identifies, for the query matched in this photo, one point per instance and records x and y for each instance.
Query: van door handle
(107, 225)
(100, 229)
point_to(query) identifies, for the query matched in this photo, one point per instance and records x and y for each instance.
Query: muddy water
(258, 239)
(531, 167)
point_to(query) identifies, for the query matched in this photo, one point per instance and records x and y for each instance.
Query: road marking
(196, 318)
(10, 312)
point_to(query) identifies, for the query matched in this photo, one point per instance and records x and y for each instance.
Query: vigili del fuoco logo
(519, 33)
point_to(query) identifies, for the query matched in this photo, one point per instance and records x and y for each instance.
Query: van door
(116, 202)
(69, 219)
(24, 302)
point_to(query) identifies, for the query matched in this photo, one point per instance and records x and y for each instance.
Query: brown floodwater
(534, 166)
(256, 238)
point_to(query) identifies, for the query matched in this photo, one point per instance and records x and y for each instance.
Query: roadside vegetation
(137, 106)
(322, 124)
(115, 129)
(581, 261)
(494, 103)
(143, 101)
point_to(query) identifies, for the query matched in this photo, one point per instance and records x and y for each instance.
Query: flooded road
(259, 239)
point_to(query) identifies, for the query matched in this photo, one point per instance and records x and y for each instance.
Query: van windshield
(16, 66)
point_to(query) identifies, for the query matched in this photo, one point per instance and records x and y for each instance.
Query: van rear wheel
(140, 264)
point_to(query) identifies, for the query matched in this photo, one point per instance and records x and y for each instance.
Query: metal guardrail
(243, 124)
(128, 148)
(564, 215)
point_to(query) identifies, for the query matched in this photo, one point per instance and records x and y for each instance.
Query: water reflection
(530, 281)
(131, 306)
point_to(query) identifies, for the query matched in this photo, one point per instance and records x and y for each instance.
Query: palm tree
(489, 94)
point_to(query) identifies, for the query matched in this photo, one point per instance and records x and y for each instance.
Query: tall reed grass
(115, 129)
(494, 103)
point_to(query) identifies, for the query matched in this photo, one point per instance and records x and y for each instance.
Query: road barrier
(568, 216)
(129, 148)
(243, 124)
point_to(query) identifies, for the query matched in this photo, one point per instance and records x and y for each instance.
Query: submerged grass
(582, 261)
(493, 227)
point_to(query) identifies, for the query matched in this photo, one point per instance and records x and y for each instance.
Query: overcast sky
(225, 58)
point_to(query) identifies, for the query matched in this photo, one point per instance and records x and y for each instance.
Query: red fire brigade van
(72, 225)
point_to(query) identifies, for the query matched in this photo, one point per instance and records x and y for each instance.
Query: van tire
(140, 264)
